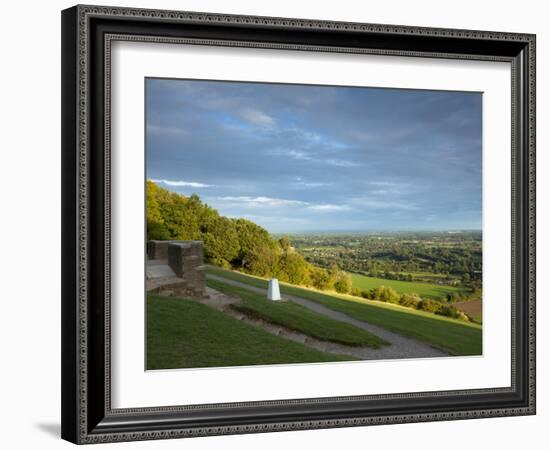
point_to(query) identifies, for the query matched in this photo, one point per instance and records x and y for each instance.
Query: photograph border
(87, 35)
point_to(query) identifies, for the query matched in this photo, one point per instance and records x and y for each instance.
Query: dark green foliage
(221, 242)
(251, 237)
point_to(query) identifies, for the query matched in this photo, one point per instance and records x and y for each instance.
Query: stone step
(159, 271)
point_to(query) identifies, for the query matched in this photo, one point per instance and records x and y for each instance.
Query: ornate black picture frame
(87, 34)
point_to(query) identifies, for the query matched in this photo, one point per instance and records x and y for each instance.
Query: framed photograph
(278, 224)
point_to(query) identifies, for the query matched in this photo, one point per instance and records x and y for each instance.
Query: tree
(251, 238)
(156, 228)
(263, 261)
(340, 280)
(384, 294)
(221, 242)
(409, 300)
(293, 268)
(319, 278)
(343, 283)
(237, 243)
(284, 242)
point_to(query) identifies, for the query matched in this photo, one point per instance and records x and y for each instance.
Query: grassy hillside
(457, 337)
(295, 317)
(184, 334)
(425, 290)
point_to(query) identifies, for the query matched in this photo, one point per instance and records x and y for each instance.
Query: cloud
(394, 189)
(261, 202)
(327, 207)
(281, 152)
(270, 202)
(307, 156)
(310, 184)
(386, 183)
(299, 155)
(340, 162)
(381, 204)
(256, 117)
(180, 183)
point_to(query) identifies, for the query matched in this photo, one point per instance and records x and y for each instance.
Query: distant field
(427, 290)
(460, 338)
(473, 308)
(184, 333)
(295, 317)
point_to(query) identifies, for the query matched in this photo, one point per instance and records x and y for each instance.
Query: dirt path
(401, 346)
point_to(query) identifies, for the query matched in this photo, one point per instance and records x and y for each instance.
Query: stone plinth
(185, 260)
(157, 249)
(273, 292)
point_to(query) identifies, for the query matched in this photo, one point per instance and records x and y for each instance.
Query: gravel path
(401, 346)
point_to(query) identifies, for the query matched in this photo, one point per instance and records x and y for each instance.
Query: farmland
(447, 257)
(424, 290)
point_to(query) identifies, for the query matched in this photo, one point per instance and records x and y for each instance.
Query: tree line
(235, 243)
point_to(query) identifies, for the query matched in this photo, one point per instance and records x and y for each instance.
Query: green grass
(428, 275)
(184, 334)
(425, 290)
(295, 317)
(457, 337)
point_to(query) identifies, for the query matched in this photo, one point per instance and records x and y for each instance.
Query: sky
(299, 158)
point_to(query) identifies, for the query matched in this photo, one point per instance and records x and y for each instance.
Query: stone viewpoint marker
(273, 292)
(176, 268)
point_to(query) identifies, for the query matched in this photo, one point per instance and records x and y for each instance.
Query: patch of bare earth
(473, 308)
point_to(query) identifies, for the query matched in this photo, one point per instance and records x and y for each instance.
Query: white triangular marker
(273, 292)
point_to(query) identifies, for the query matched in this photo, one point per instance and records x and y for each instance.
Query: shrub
(454, 297)
(452, 311)
(448, 311)
(319, 278)
(384, 294)
(409, 300)
(428, 305)
(343, 284)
